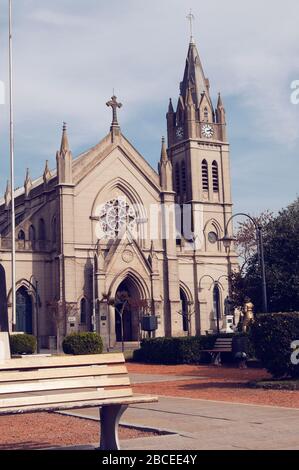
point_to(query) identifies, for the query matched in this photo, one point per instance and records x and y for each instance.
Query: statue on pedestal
(248, 315)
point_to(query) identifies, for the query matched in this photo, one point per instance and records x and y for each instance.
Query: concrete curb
(162, 431)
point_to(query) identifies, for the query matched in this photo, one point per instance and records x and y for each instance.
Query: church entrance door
(126, 312)
(24, 312)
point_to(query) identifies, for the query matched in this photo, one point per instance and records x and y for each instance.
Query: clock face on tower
(179, 133)
(207, 131)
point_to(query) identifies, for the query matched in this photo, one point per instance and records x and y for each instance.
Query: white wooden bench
(70, 382)
(222, 345)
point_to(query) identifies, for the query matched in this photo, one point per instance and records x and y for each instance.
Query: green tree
(281, 250)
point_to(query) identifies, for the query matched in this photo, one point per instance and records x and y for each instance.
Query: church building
(106, 224)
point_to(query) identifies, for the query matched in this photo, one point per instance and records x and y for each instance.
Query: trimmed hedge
(80, 344)
(22, 344)
(272, 335)
(186, 350)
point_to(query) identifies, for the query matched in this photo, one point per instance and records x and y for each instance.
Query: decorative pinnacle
(220, 102)
(47, 173)
(8, 188)
(114, 105)
(64, 140)
(170, 107)
(27, 178)
(164, 157)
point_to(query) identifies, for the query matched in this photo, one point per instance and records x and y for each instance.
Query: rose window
(116, 216)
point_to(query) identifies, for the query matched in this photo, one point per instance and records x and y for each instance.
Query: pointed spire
(220, 102)
(64, 160)
(194, 76)
(220, 115)
(27, 183)
(7, 195)
(64, 140)
(165, 169)
(170, 107)
(27, 178)
(47, 173)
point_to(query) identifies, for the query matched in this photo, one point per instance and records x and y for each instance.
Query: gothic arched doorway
(24, 311)
(184, 311)
(127, 312)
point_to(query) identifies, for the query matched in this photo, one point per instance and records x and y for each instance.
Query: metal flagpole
(12, 173)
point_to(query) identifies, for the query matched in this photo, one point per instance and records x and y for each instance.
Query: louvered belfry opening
(215, 176)
(205, 176)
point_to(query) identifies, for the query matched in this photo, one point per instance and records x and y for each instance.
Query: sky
(69, 55)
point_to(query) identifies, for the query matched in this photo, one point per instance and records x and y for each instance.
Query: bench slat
(65, 372)
(37, 363)
(222, 345)
(135, 399)
(64, 384)
(216, 349)
(63, 398)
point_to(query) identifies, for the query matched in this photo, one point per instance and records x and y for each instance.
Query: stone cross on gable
(114, 105)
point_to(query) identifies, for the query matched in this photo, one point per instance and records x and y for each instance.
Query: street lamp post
(227, 240)
(215, 284)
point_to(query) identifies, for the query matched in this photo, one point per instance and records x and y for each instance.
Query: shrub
(272, 335)
(175, 350)
(80, 344)
(22, 344)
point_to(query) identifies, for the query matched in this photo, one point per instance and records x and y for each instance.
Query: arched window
(177, 179)
(83, 312)
(216, 305)
(184, 178)
(24, 311)
(32, 234)
(21, 236)
(205, 175)
(215, 176)
(206, 115)
(41, 230)
(184, 311)
(21, 239)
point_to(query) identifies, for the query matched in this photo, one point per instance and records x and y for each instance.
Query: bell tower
(198, 148)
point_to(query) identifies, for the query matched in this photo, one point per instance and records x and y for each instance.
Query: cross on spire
(191, 19)
(114, 105)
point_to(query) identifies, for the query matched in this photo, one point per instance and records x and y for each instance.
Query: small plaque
(103, 318)
(72, 319)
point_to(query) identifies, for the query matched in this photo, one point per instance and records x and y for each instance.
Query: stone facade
(104, 223)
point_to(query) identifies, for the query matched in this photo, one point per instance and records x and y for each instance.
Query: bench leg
(217, 359)
(110, 417)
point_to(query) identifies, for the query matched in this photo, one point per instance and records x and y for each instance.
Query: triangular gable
(124, 252)
(88, 161)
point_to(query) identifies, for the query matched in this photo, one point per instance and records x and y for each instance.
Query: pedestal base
(4, 347)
